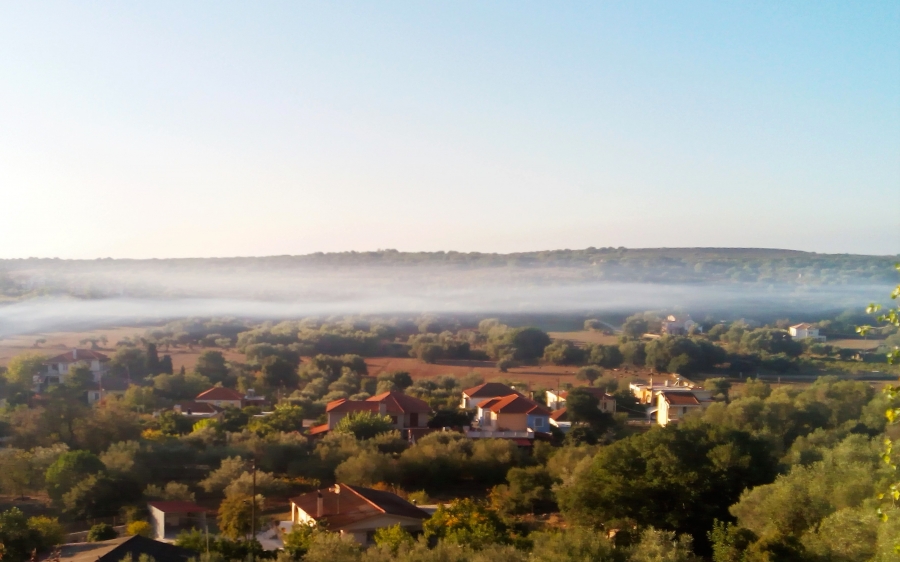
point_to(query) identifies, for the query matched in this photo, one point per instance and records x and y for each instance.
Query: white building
(673, 406)
(804, 331)
(677, 324)
(56, 368)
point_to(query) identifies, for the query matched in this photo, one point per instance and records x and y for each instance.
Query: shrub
(141, 528)
(101, 532)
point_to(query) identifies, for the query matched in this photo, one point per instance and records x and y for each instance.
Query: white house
(677, 324)
(56, 368)
(168, 518)
(556, 399)
(804, 331)
(356, 511)
(672, 406)
(473, 397)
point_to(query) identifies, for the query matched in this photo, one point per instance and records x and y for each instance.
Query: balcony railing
(499, 434)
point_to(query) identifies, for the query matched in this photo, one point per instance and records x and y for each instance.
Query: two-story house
(556, 399)
(406, 412)
(473, 397)
(512, 413)
(56, 368)
(673, 406)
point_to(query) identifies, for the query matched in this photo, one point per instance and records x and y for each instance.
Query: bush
(101, 532)
(141, 528)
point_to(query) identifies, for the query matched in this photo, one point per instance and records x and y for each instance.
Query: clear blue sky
(172, 129)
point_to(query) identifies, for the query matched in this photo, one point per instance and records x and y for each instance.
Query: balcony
(499, 434)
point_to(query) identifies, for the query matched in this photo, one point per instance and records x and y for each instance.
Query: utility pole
(253, 505)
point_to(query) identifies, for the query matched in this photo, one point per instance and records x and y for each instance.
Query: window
(538, 422)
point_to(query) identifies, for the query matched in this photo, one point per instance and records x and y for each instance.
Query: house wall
(469, 403)
(221, 403)
(554, 402)
(539, 423)
(512, 422)
(158, 522)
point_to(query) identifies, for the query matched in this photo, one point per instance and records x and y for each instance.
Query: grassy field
(60, 342)
(586, 337)
(856, 344)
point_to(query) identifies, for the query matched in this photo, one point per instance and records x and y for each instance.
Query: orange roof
(353, 503)
(489, 389)
(220, 393)
(516, 404)
(318, 429)
(559, 415)
(681, 398)
(395, 403)
(77, 355)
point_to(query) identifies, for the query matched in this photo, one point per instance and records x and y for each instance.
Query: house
(169, 518)
(123, 548)
(221, 397)
(56, 368)
(106, 387)
(672, 406)
(560, 420)
(804, 331)
(473, 397)
(677, 324)
(648, 393)
(556, 399)
(406, 412)
(355, 511)
(198, 410)
(512, 413)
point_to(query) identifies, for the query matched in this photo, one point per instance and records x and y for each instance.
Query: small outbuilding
(169, 518)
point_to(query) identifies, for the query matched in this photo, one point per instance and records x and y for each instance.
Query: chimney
(667, 382)
(74, 353)
(320, 506)
(382, 409)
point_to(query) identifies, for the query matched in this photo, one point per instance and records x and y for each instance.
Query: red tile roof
(177, 506)
(399, 403)
(77, 355)
(489, 390)
(220, 393)
(681, 398)
(395, 403)
(559, 415)
(353, 504)
(198, 408)
(516, 404)
(315, 430)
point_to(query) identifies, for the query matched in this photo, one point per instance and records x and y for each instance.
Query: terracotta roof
(681, 398)
(516, 404)
(198, 408)
(344, 405)
(354, 504)
(220, 393)
(116, 550)
(395, 403)
(559, 415)
(77, 355)
(177, 506)
(489, 390)
(315, 430)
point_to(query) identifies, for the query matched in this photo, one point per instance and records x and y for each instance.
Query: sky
(194, 129)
